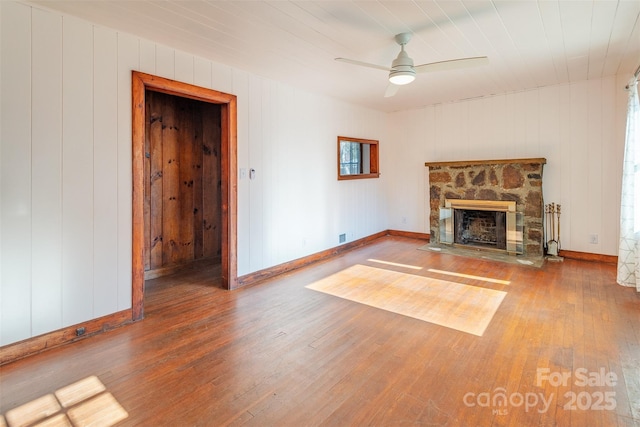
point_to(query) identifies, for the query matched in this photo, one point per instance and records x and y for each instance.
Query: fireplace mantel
(515, 180)
(464, 163)
(482, 205)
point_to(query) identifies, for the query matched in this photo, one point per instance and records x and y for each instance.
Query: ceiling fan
(402, 70)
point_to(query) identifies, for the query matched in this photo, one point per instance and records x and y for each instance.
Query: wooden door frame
(140, 82)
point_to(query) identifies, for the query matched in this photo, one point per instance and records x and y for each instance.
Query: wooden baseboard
(267, 273)
(585, 256)
(411, 234)
(582, 256)
(35, 345)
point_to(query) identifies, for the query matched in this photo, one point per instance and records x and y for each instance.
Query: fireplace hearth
(494, 205)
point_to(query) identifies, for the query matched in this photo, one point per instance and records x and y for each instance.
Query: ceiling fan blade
(452, 64)
(362, 64)
(391, 90)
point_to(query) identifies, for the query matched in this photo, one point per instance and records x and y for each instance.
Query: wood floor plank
(279, 353)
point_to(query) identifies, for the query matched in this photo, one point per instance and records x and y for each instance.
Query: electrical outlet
(593, 239)
(342, 238)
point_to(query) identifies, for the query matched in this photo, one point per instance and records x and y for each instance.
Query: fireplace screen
(480, 228)
(492, 225)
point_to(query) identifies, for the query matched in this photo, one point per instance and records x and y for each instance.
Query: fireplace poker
(553, 222)
(548, 227)
(558, 210)
(545, 225)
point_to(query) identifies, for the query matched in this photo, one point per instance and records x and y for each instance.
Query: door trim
(140, 82)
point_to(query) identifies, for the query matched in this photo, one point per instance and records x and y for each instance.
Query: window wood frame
(374, 168)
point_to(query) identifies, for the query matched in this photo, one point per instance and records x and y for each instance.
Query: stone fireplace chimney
(510, 180)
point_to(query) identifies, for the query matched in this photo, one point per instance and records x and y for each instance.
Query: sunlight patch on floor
(83, 403)
(453, 305)
(413, 267)
(469, 276)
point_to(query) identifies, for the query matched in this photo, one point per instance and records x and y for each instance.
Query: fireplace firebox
(483, 224)
(480, 228)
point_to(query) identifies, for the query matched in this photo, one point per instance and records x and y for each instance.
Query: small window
(357, 158)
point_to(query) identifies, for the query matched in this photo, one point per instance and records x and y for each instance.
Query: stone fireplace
(488, 204)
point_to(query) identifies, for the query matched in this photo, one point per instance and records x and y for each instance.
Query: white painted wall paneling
(82, 132)
(105, 171)
(46, 124)
(77, 172)
(1, 86)
(129, 54)
(562, 166)
(241, 90)
(577, 215)
(165, 61)
(146, 62)
(202, 72)
(184, 67)
(255, 187)
(15, 152)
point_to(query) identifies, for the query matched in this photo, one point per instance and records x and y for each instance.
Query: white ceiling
(529, 43)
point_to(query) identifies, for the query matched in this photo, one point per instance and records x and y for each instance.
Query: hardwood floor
(280, 354)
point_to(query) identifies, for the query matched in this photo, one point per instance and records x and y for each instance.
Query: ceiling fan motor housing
(402, 71)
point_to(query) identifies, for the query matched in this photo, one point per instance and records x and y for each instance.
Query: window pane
(349, 158)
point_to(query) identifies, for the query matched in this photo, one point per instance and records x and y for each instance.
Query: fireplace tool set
(552, 217)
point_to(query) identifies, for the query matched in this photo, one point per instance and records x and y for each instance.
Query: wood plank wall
(290, 210)
(183, 187)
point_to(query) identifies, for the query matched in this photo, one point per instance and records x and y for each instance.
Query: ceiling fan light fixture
(402, 77)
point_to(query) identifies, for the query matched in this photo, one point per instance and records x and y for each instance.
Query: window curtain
(629, 249)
